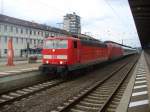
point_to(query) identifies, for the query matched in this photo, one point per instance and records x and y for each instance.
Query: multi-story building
(71, 23)
(24, 33)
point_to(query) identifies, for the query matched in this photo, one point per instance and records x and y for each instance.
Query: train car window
(75, 44)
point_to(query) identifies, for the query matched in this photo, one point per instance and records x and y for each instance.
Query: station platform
(19, 67)
(137, 94)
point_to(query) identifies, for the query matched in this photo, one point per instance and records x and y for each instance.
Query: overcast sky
(103, 19)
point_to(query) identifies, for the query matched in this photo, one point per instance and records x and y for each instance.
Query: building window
(30, 41)
(24, 40)
(5, 39)
(27, 40)
(38, 41)
(26, 31)
(34, 32)
(5, 27)
(41, 33)
(30, 32)
(34, 41)
(38, 32)
(5, 51)
(11, 28)
(46, 34)
(21, 31)
(21, 40)
(17, 40)
(41, 41)
(16, 30)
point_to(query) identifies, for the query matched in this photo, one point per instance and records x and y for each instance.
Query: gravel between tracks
(49, 99)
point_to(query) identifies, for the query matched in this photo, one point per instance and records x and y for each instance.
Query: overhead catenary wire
(115, 13)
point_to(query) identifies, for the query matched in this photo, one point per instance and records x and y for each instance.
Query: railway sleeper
(21, 92)
(87, 108)
(2, 100)
(98, 96)
(14, 94)
(89, 104)
(75, 110)
(93, 100)
(7, 97)
(95, 97)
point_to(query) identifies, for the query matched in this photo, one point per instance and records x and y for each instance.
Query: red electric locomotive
(63, 54)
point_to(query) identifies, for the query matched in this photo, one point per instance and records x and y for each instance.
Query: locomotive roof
(84, 37)
(119, 44)
(92, 42)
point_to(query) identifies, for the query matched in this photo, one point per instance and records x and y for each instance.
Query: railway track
(17, 94)
(97, 97)
(10, 97)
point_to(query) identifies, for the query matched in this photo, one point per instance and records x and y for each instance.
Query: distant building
(71, 23)
(24, 33)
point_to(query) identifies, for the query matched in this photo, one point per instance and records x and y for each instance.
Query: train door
(76, 45)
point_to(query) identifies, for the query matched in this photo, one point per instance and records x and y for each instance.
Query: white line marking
(138, 87)
(141, 78)
(137, 103)
(13, 71)
(139, 82)
(139, 75)
(4, 73)
(30, 68)
(139, 93)
(141, 71)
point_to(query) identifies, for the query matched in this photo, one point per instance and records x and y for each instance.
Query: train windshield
(56, 44)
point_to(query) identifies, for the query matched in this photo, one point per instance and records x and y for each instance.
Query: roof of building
(15, 21)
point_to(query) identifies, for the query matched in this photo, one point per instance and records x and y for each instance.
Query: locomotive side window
(75, 44)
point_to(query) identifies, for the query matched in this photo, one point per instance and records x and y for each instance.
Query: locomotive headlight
(47, 61)
(53, 50)
(61, 62)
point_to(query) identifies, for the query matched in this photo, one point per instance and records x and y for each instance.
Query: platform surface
(20, 66)
(137, 94)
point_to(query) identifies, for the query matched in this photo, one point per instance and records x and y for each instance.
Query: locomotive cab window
(56, 44)
(75, 44)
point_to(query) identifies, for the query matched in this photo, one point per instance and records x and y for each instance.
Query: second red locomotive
(64, 54)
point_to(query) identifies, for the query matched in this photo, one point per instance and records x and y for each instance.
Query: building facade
(71, 23)
(24, 32)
